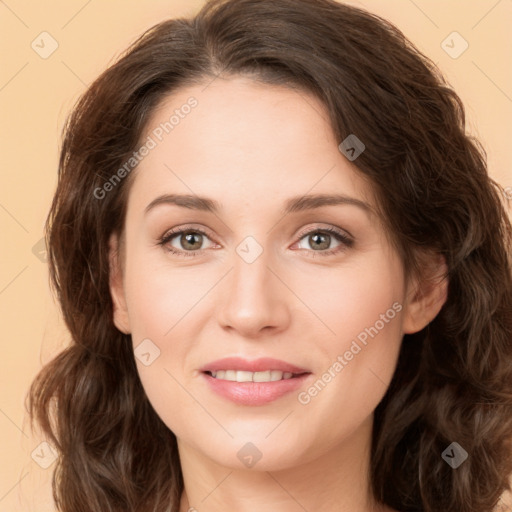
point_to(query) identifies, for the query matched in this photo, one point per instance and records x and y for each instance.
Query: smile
(245, 376)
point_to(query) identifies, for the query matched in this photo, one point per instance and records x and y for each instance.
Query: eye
(189, 241)
(321, 239)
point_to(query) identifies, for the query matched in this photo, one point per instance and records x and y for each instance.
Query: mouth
(246, 376)
(254, 382)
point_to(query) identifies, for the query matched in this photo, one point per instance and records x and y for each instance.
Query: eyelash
(346, 241)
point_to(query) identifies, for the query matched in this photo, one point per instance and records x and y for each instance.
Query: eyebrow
(292, 205)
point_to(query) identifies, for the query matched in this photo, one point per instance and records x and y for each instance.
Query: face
(257, 270)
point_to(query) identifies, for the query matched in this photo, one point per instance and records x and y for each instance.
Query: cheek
(363, 310)
(349, 301)
(163, 307)
(162, 299)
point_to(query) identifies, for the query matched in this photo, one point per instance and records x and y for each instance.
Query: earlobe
(426, 296)
(121, 318)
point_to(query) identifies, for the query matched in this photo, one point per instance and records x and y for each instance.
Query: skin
(251, 147)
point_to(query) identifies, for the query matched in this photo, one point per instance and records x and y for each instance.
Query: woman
(286, 274)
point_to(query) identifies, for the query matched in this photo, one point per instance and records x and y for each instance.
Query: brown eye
(320, 240)
(184, 242)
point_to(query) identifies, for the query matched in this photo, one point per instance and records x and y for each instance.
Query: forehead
(244, 141)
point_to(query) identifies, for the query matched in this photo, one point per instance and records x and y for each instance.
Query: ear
(121, 318)
(426, 294)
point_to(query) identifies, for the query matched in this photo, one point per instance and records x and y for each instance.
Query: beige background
(35, 96)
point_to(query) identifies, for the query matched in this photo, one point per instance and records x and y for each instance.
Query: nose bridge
(251, 267)
(254, 298)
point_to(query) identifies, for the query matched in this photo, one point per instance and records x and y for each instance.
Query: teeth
(242, 376)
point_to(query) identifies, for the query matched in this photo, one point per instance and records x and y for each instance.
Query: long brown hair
(453, 382)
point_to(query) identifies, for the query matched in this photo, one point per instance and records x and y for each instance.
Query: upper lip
(257, 365)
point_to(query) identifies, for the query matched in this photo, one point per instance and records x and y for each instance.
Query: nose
(254, 299)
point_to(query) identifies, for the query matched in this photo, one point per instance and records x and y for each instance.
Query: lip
(254, 393)
(258, 365)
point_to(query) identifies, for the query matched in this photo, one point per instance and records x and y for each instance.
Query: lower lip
(254, 393)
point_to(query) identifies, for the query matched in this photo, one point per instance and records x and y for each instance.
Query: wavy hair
(453, 381)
